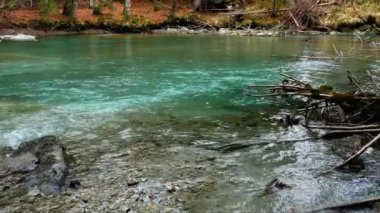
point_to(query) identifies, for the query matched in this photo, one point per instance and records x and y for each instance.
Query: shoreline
(188, 28)
(172, 30)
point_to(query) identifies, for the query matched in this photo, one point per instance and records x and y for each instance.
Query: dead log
(362, 127)
(356, 204)
(294, 19)
(356, 155)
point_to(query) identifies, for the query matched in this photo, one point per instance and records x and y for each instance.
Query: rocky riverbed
(127, 172)
(235, 31)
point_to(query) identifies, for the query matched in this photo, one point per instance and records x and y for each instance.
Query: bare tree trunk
(197, 5)
(2, 3)
(273, 8)
(174, 8)
(127, 7)
(69, 9)
(91, 4)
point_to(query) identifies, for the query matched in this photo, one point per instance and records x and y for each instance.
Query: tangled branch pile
(355, 112)
(305, 14)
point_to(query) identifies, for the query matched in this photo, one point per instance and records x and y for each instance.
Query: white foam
(18, 37)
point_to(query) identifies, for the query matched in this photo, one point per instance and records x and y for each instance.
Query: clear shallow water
(187, 90)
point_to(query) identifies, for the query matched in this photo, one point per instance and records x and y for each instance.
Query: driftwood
(356, 155)
(245, 144)
(356, 204)
(294, 19)
(356, 111)
(235, 13)
(344, 127)
(253, 12)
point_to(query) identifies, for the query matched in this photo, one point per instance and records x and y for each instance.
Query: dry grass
(347, 15)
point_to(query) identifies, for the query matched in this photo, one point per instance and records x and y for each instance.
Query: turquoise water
(76, 86)
(61, 84)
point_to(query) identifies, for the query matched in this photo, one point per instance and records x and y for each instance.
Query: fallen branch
(294, 19)
(209, 25)
(291, 78)
(362, 203)
(328, 97)
(355, 81)
(266, 11)
(241, 145)
(374, 85)
(362, 127)
(280, 86)
(253, 12)
(357, 154)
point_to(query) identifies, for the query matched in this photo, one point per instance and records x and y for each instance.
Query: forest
(320, 15)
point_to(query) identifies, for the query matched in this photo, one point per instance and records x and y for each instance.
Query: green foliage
(69, 9)
(172, 18)
(136, 21)
(156, 6)
(12, 4)
(109, 5)
(97, 10)
(127, 16)
(192, 17)
(47, 8)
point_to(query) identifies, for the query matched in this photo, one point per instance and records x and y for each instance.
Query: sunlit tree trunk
(2, 3)
(197, 5)
(127, 7)
(69, 9)
(91, 3)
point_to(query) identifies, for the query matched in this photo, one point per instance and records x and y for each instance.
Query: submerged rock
(37, 165)
(274, 186)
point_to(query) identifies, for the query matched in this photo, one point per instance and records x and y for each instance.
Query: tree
(127, 7)
(197, 5)
(273, 8)
(47, 8)
(2, 4)
(69, 9)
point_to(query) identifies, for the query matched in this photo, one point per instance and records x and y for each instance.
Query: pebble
(133, 182)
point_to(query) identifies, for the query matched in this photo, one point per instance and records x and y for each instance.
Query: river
(168, 100)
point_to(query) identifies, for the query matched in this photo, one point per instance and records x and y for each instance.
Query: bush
(48, 8)
(306, 14)
(97, 10)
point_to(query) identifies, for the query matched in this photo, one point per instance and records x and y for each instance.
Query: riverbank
(146, 17)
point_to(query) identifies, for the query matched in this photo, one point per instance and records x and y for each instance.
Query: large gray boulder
(38, 165)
